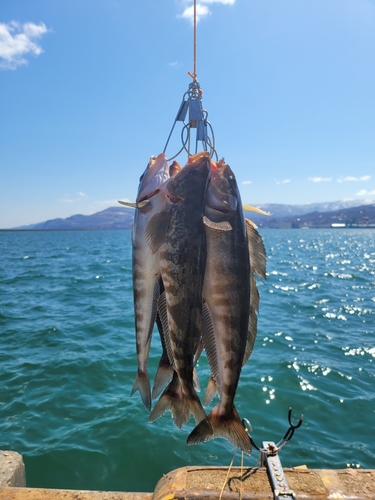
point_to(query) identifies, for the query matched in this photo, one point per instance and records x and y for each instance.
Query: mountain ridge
(282, 216)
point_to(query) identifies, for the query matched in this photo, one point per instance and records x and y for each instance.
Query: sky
(89, 90)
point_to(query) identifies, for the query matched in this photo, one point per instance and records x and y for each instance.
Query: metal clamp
(193, 116)
(270, 459)
(279, 484)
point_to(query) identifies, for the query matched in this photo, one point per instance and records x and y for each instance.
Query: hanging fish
(146, 272)
(177, 233)
(226, 291)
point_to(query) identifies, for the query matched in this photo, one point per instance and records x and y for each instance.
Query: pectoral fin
(255, 209)
(156, 230)
(218, 226)
(137, 204)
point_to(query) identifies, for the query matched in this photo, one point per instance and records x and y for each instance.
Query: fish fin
(211, 392)
(218, 226)
(209, 343)
(142, 384)
(254, 294)
(197, 385)
(163, 315)
(257, 251)
(154, 308)
(250, 208)
(215, 426)
(252, 224)
(253, 319)
(198, 351)
(175, 401)
(156, 229)
(163, 376)
(164, 372)
(251, 336)
(137, 204)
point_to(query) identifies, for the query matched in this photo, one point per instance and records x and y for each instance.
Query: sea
(68, 360)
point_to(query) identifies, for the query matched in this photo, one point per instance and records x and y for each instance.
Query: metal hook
(289, 433)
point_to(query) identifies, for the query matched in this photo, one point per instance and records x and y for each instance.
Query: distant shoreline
(128, 229)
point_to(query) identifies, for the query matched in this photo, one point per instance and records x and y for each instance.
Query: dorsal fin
(257, 250)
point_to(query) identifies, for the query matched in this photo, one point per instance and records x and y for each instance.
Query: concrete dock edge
(12, 469)
(203, 483)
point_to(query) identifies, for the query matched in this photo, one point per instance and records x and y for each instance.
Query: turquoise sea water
(67, 359)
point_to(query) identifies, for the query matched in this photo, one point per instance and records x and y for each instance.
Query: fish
(226, 292)
(177, 234)
(164, 372)
(146, 271)
(258, 259)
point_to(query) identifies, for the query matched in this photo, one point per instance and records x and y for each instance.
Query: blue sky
(89, 90)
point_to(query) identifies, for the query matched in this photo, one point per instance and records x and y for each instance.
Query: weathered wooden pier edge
(204, 483)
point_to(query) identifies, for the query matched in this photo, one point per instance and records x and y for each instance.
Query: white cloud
(364, 192)
(285, 181)
(202, 9)
(246, 182)
(349, 178)
(320, 179)
(69, 199)
(17, 41)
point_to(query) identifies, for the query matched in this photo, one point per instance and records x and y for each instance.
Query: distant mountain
(362, 216)
(283, 216)
(278, 210)
(111, 218)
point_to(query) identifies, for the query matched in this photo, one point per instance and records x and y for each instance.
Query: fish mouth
(148, 196)
(155, 175)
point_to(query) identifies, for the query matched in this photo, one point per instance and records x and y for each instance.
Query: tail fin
(181, 406)
(229, 427)
(142, 384)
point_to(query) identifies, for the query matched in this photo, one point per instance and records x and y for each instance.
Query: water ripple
(67, 359)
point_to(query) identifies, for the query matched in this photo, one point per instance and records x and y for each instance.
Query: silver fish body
(146, 271)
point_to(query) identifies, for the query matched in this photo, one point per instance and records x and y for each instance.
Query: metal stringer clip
(193, 116)
(270, 459)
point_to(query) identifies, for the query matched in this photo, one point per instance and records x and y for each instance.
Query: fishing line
(195, 39)
(226, 479)
(192, 114)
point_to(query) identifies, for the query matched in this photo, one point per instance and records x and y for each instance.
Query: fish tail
(229, 427)
(181, 406)
(142, 384)
(171, 401)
